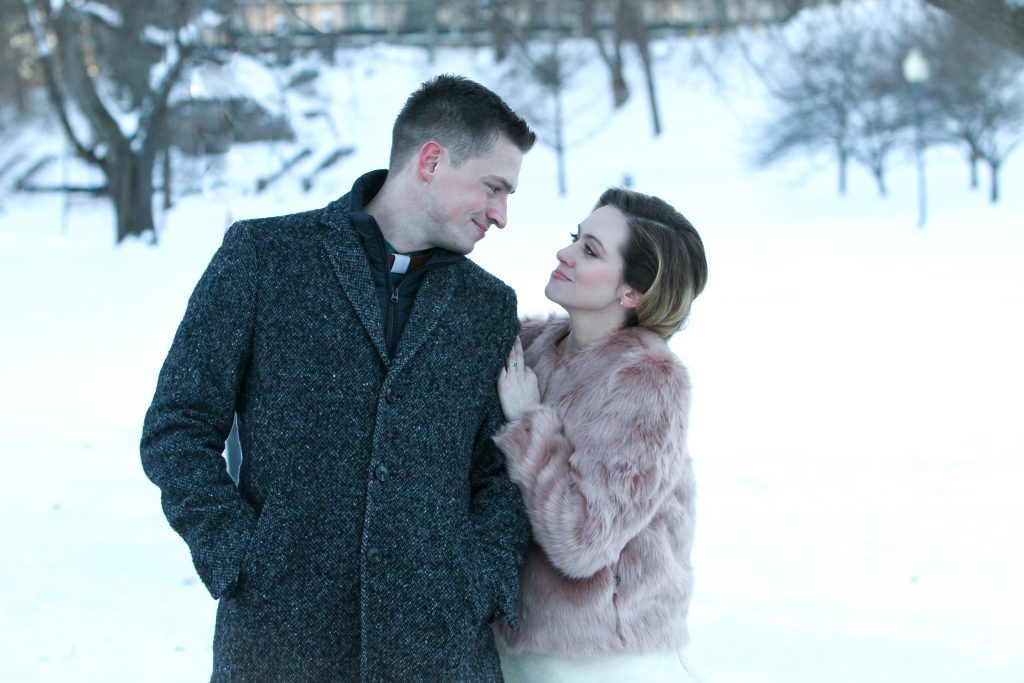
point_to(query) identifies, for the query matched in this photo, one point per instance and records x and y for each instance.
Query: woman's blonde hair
(663, 258)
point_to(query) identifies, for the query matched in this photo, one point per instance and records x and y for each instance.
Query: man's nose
(497, 211)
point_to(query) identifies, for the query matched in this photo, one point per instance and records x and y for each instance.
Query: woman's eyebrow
(588, 236)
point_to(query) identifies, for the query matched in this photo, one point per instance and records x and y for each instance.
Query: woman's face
(589, 272)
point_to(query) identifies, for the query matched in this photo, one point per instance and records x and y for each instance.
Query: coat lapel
(353, 272)
(432, 302)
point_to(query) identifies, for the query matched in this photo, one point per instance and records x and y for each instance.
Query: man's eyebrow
(505, 185)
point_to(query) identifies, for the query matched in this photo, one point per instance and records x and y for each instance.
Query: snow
(101, 11)
(856, 428)
(239, 76)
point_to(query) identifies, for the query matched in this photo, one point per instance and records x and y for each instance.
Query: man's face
(464, 201)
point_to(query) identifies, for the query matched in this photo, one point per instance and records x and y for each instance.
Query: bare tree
(977, 95)
(841, 90)
(16, 74)
(882, 116)
(546, 67)
(545, 91)
(628, 25)
(1001, 21)
(609, 46)
(631, 22)
(815, 87)
(114, 64)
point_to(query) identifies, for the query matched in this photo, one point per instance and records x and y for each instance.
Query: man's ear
(629, 297)
(428, 160)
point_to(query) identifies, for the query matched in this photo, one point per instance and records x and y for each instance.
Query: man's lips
(480, 228)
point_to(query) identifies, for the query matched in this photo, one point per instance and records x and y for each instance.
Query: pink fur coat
(608, 484)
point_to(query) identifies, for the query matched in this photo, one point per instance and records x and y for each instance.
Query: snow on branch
(98, 10)
(43, 47)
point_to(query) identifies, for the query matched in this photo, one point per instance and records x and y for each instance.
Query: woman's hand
(517, 385)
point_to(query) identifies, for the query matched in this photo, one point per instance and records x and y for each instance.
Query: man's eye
(574, 236)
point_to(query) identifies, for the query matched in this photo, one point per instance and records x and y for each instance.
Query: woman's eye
(589, 252)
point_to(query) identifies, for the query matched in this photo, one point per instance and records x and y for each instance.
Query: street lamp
(915, 71)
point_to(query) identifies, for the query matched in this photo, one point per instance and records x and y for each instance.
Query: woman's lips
(559, 275)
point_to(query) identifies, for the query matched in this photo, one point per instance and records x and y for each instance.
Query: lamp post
(915, 71)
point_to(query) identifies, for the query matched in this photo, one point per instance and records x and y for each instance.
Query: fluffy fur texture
(609, 490)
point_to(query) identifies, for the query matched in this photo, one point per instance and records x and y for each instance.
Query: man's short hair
(460, 114)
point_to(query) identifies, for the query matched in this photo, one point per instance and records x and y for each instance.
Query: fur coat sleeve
(597, 459)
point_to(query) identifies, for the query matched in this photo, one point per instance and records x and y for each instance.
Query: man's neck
(391, 208)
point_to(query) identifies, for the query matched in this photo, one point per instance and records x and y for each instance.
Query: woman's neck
(587, 330)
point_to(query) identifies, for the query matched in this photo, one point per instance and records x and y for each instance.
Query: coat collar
(619, 347)
(433, 301)
(349, 263)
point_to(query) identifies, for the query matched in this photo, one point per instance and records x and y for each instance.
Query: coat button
(391, 396)
(381, 472)
(373, 555)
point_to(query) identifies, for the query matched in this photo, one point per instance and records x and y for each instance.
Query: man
(373, 534)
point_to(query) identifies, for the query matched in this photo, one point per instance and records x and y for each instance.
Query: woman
(597, 407)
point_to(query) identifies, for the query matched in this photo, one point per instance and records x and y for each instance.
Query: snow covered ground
(857, 426)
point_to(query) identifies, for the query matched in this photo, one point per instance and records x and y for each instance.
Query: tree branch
(55, 93)
(155, 108)
(996, 20)
(80, 83)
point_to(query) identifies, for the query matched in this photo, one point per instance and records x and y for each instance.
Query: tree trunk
(130, 180)
(167, 189)
(20, 94)
(973, 161)
(631, 23)
(620, 89)
(613, 58)
(499, 30)
(879, 173)
(652, 96)
(430, 10)
(843, 161)
(560, 144)
(994, 187)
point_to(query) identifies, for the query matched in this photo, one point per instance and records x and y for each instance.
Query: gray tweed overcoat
(373, 534)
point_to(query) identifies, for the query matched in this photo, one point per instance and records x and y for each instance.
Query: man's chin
(464, 249)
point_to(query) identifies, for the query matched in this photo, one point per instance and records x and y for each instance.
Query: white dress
(648, 667)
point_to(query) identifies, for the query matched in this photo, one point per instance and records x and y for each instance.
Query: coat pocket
(258, 561)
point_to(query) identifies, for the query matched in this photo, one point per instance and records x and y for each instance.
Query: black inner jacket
(395, 302)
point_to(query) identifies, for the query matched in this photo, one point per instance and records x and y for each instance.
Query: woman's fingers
(516, 355)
